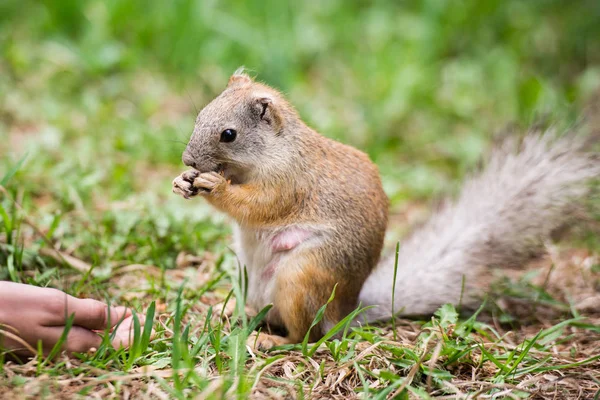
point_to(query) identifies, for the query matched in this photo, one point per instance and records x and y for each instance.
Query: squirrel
(311, 214)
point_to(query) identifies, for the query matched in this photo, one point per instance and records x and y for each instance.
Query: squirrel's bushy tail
(501, 218)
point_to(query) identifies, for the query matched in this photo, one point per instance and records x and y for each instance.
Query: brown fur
(281, 173)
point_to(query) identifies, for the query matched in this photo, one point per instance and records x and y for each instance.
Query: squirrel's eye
(228, 135)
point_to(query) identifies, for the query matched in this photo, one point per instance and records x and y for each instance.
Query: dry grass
(563, 363)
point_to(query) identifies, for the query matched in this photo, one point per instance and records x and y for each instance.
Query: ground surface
(97, 101)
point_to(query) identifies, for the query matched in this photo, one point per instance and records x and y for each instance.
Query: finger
(12, 342)
(94, 314)
(81, 340)
(123, 335)
(78, 340)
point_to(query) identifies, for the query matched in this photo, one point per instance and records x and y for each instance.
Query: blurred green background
(420, 85)
(98, 98)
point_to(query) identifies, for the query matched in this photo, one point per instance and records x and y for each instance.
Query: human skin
(29, 314)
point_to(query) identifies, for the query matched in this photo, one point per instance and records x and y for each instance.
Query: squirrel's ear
(267, 111)
(239, 78)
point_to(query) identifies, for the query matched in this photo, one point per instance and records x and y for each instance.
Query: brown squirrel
(311, 214)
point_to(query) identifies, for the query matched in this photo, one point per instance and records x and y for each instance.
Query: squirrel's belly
(262, 252)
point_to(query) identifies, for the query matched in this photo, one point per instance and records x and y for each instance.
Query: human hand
(29, 314)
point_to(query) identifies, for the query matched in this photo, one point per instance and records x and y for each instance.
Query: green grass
(97, 102)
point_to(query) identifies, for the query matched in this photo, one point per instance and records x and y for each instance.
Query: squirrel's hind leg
(302, 287)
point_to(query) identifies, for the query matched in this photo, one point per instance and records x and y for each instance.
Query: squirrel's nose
(188, 159)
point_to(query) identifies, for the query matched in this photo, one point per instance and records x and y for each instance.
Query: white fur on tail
(500, 218)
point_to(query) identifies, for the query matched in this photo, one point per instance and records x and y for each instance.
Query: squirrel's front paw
(183, 185)
(210, 183)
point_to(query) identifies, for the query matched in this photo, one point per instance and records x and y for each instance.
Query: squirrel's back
(501, 218)
(347, 191)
